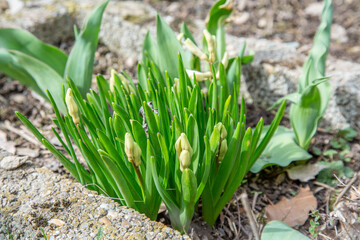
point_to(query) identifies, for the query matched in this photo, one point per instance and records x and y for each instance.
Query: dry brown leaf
(304, 173)
(294, 211)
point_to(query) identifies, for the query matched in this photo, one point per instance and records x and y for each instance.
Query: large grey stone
(51, 21)
(33, 198)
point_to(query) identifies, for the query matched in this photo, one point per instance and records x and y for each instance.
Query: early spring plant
(40, 66)
(308, 104)
(167, 143)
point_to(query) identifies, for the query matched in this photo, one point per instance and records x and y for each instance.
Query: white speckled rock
(33, 198)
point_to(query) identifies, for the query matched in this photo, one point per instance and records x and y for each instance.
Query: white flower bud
(132, 150)
(183, 151)
(199, 75)
(180, 36)
(185, 160)
(72, 106)
(223, 149)
(195, 50)
(222, 130)
(112, 80)
(210, 44)
(225, 60)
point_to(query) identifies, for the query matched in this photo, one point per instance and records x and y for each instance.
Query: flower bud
(183, 151)
(72, 107)
(225, 60)
(195, 50)
(199, 75)
(222, 130)
(210, 44)
(180, 36)
(185, 159)
(223, 149)
(132, 150)
(112, 80)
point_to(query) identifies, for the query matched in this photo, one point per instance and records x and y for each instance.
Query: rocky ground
(278, 20)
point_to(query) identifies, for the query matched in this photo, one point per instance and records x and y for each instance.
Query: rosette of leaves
(156, 118)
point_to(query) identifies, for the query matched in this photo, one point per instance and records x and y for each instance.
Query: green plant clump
(144, 146)
(163, 139)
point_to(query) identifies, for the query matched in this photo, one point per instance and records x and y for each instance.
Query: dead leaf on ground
(294, 211)
(305, 173)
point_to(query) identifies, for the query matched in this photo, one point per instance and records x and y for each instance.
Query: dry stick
(20, 132)
(324, 185)
(253, 225)
(254, 201)
(348, 186)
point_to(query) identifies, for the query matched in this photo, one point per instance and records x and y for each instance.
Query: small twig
(254, 201)
(344, 191)
(19, 132)
(324, 236)
(253, 225)
(324, 185)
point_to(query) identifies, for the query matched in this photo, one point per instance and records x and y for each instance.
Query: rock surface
(33, 198)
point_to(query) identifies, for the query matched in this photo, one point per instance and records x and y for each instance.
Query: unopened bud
(184, 151)
(180, 36)
(112, 80)
(200, 76)
(195, 50)
(72, 106)
(182, 144)
(223, 149)
(225, 60)
(211, 45)
(222, 130)
(185, 160)
(132, 150)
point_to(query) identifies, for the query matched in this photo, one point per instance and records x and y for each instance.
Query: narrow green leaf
(80, 63)
(26, 43)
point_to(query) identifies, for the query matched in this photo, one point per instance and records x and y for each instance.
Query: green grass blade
(79, 65)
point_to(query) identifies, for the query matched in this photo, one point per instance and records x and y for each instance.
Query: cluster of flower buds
(125, 82)
(184, 151)
(223, 143)
(132, 150)
(72, 106)
(211, 45)
(200, 76)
